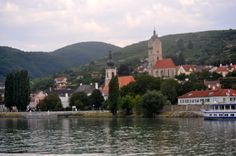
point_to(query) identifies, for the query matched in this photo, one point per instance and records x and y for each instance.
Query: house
(212, 85)
(64, 95)
(61, 82)
(35, 98)
(223, 70)
(185, 69)
(164, 68)
(87, 89)
(208, 97)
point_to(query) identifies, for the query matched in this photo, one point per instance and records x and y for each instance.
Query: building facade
(208, 97)
(157, 66)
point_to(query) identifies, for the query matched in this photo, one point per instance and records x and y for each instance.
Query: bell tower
(110, 69)
(154, 50)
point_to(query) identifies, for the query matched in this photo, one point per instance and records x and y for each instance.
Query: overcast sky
(46, 25)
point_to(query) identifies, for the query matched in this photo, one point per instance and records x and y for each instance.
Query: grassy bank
(95, 114)
(181, 114)
(10, 114)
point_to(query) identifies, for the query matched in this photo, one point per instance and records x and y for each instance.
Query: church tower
(110, 69)
(154, 50)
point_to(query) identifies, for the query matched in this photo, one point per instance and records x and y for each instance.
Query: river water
(117, 136)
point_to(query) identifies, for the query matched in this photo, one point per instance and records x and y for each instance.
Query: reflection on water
(118, 136)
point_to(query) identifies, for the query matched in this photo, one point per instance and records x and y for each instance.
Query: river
(87, 136)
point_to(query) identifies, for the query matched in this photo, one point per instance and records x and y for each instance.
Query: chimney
(96, 85)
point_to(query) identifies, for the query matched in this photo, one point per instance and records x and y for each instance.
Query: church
(157, 65)
(110, 72)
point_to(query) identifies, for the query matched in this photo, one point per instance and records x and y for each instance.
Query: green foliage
(80, 100)
(228, 82)
(142, 84)
(50, 103)
(124, 70)
(17, 90)
(42, 83)
(169, 89)
(126, 104)
(152, 103)
(96, 99)
(231, 74)
(113, 97)
(41, 64)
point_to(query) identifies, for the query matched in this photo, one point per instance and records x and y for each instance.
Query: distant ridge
(207, 47)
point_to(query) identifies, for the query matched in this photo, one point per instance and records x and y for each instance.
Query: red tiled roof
(122, 80)
(209, 93)
(165, 63)
(221, 69)
(188, 67)
(125, 80)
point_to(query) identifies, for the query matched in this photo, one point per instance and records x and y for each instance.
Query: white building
(208, 97)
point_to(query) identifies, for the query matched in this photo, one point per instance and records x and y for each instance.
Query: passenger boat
(220, 111)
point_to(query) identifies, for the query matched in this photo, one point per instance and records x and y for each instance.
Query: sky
(46, 25)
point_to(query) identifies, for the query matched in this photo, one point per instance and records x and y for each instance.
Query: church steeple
(110, 62)
(110, 69)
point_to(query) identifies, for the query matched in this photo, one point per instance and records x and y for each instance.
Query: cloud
(47, 24)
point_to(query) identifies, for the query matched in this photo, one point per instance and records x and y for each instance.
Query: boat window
(222, 107)
(215, 114)
(216, 107)
(232, 106)
(210, 114)
(231, 114)
(227, 107)
(224, 99)
(220, 114)
(226, 115)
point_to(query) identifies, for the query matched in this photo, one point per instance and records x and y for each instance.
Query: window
(216, 107)
(233, 107)
(231, 114)
(215, 114)
(226, 115)
(227, 107)
(210, 114)
(220, 114)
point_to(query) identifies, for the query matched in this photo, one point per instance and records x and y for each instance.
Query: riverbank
(93, 114)
(181, 114)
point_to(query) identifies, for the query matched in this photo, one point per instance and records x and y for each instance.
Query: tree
(96, 99)
(126, 104)
(80, 100)
(17, 90)
(180, 44)
(113, 95)
(190, 44)
(124, 70)
(141, 85)
(169, 89)
(50, 103)
(152, 103)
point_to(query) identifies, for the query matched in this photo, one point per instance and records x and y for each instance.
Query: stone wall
(184, 107)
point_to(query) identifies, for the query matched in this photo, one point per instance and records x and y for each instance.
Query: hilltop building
(61, 82)
(157, 66)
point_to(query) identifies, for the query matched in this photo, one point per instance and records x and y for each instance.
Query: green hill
(45, 63)
(209, 47)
